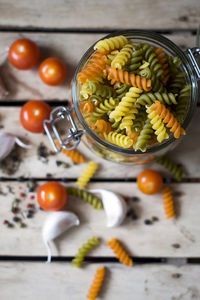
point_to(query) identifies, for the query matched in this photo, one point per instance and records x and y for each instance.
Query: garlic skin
(114, 205)
(7, 142)
(57, 223)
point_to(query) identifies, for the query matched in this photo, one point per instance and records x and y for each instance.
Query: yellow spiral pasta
(122, 57)
(127, 121)
(124, 77)
(110, 44)
(118, 139)
(168, 203)
(127, 103)
(157, 125)
(120, 252)
(168, 118)
(111, 56)
(96, 284)
(87, 174)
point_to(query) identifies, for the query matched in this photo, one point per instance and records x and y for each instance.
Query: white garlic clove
(57, 223)
(7, 142)
(114, 205)
(21, 144)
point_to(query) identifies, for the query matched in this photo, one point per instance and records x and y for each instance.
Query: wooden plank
(91, 14)
(141, 240)
(25, 85)
(185, 153)
(37, 281)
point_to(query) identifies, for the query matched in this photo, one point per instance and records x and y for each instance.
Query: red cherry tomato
(32, 115)
(52, 196)
(24, 54)
(53, 71)
(150, 182)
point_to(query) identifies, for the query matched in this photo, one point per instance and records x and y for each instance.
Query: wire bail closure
(58, 114)
(193, 54)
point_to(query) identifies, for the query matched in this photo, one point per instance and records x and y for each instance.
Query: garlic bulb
(114, 205)
(7, 142)
(55, 224)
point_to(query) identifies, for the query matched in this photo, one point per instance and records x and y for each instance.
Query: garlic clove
(114, 205)
(57, 223)
(21, 144)
(7, 142)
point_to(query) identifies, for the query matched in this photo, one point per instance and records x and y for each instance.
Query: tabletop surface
(166, 254)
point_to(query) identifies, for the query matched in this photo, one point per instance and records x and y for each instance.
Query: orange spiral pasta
(133, 136)
(168, 203)
(103, 126)
(95, 66)
(96, 284)
(168, 118)
(120, 252)
(73, 154)
(125, 77)
(162, 60)
(87, 107)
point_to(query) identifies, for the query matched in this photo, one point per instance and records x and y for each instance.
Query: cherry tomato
(52, 196)
(32, 115)
(150, 182)
(24, 54)
(53, 71)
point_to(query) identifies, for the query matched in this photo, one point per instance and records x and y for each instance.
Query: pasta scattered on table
(168, 203)
(96, 284)
(87, 174)
(120, 252)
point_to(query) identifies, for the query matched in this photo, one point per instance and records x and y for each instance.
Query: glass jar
(79, 129)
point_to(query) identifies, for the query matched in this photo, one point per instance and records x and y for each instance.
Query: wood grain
(25, 85)
(100, 15)
(187, 153)
(140, 240)
(59, 280)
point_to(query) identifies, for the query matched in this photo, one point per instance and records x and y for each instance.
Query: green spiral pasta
(139, 122)
(136, 59)
(171, 166)
(177, 83)
(164, 98)
(144, 137)
(85, 248)
(183, 99)
(157, 125)
(151, 57)
(174, 65)
(100, 89)
(157, 85)
(121, 90)
(146, 72)
(122, 57)
(118, 139)
(126, 104)
(86, 196)
(110, 44)
(105, 107)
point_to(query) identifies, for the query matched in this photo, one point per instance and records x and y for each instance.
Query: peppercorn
(134, 199)
(30, 205)
(154, 219)
(147, 222)
(15, 210)
(16, 219)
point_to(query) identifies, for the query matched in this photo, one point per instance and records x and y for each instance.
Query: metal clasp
(193, 54)
(74, 136)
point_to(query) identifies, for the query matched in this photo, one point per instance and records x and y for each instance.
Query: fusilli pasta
(73, 154)
(168, 203)
(85, 248)
(96, 284)
(118, 139)
(86, 196)
(87, 174)
(120, 252)
(110, 44)
(176, 170)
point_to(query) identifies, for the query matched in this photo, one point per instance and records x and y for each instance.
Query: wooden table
(162, 270)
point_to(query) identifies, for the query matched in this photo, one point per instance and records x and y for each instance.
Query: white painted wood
(59, 280)
(187, 153)
(25, 85)
(141, 240)
(101, 14)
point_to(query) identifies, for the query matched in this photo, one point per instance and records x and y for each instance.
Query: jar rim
(161, 41)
